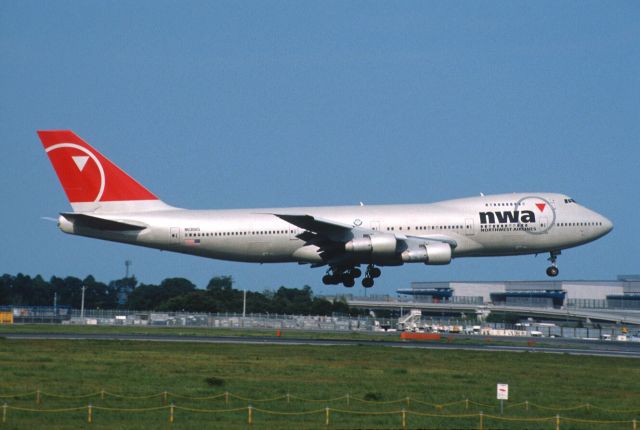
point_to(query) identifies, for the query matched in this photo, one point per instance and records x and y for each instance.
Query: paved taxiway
(557, 346)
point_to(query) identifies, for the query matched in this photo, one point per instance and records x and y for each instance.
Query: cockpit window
(569, 201)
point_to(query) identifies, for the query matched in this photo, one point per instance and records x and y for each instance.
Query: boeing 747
(108, 204)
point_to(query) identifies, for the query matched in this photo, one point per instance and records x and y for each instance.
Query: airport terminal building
(622, 293)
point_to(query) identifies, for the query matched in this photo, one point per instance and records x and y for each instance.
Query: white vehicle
(108, 204)
(476, 329)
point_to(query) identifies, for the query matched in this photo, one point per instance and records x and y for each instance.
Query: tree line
(172, 294)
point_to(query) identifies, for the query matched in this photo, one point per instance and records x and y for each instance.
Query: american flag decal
(192, 242)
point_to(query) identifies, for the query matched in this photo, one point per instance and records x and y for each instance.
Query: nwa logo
(510, 217)
(507, 217)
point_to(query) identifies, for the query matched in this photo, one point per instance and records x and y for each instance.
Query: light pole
(82, 304)
(244, 303)
(55, 305)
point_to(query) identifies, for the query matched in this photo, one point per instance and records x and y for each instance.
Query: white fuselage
(492, 225)
(109, 204)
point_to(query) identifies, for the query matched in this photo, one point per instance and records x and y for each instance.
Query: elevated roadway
(599, 315)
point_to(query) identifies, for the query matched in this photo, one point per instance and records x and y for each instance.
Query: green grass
(376, 373)
(192, 331)
(298, 334)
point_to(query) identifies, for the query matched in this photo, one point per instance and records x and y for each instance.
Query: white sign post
(503, 394)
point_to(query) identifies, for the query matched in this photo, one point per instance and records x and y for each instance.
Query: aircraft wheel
(552, 271)
(328, 280)
(374, 272)
(348, 282)
(356, 273)
(367, 282)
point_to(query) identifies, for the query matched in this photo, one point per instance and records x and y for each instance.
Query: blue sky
(290, 103)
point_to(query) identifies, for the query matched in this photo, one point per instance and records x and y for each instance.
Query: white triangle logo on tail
(80, 160)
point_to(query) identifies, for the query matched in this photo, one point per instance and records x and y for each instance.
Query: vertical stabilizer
(91, 181)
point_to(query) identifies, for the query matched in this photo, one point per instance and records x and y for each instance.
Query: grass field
(228, 332)
(192, 331)
(377, 374)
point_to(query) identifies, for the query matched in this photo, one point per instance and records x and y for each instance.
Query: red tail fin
(89, 179)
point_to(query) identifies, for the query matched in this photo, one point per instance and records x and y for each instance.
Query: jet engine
(433, 253)
(378, 245)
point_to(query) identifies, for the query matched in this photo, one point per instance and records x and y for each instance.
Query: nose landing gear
(552, 270)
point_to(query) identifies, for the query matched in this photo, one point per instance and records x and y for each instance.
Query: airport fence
(339, 323)
(297, 412)
(124, 317)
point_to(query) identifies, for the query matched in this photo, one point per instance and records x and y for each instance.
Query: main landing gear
(553, 269)
(348, 276)
(372, 273)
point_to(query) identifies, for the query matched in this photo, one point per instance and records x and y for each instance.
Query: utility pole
(244, 303)
(82, 304)
(127, 264)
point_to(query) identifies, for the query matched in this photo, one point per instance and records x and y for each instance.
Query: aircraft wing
(332, 230)
(338, 232)
(332, 237)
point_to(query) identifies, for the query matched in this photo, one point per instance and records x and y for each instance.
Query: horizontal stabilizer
(98, 223)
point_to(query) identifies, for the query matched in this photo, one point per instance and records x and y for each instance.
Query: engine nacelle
(379, 245)
(434, 253)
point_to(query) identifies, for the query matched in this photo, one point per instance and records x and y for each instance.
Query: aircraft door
(469, 228)
(174, 235)
(544, 224)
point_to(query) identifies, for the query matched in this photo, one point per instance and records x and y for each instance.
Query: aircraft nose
(607, 225)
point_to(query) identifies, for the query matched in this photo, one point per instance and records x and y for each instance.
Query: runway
(538, 345)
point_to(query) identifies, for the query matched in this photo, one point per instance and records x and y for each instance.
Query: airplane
(108, 204)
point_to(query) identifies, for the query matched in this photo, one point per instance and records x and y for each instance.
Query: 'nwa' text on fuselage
(520, 217)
